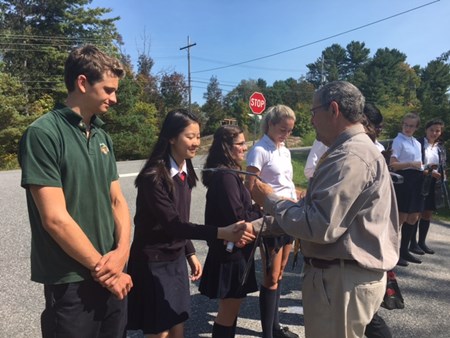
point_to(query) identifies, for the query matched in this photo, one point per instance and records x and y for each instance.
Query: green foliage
(392, 116)
(135, 133)
(174, 91)
(390, 79)
(37, 35)
(12, 123)
(298, 164)
(213, 107)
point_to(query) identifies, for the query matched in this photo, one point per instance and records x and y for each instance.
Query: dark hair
(372, 119)
(158, 164)
(90, 61)
(220, 152)
(434, 122)
(348, 97)
(373, 114)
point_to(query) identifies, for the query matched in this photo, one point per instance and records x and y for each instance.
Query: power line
(48, 37)
(254, 67)
(317, 41)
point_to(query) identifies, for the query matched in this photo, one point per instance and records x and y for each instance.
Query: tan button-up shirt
(350, 209)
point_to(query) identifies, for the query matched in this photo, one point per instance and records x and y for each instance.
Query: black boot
(404, 244)
(402, 262)
(220, 331)
(267, 302)
(424, 226)
(377, 328)
(413, 246)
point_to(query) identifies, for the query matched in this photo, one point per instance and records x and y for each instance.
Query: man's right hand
(239, 231)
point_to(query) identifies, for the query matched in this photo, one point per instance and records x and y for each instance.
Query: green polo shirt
(55, 152)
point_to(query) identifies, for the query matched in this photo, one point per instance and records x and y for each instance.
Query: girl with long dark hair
(160, 302)
(227, 201)
(434, 157)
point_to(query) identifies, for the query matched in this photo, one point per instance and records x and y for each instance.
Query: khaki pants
(340, 301)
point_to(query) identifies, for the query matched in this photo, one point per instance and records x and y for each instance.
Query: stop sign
(257, 103)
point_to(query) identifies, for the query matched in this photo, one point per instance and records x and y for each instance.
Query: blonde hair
(412, 116)
(275, 115)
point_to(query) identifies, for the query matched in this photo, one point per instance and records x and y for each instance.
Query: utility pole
(322, 76)
(188, 47)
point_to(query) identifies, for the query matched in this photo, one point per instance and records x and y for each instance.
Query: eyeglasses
(313, 109)
(409, 126)
(240, 144)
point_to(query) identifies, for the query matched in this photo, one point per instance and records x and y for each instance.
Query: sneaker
(284, 332)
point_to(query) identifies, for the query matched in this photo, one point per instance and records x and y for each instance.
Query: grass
(298, 163)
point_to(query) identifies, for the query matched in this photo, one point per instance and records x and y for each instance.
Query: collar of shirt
(406, 138)
(174, 169)
(76, 119)
(270, 144)
(358, 128)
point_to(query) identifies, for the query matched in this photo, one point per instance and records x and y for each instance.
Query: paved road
(425, 287)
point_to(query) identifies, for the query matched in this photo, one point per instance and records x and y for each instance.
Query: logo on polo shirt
(104, 148)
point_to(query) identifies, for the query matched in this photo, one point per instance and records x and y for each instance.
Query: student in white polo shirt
(271, 160)
(406, 160)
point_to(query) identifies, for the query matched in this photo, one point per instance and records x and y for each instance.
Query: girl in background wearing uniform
(406, 160)
(271, 160)
(433, 155)
(160, 302)
(227, 201)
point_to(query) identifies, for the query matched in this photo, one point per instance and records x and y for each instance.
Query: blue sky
(233, 31)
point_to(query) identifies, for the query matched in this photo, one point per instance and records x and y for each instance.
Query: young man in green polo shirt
(80, 223)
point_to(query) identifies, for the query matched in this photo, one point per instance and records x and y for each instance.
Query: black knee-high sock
(276, 312)
(424, 226)
(220, 331)
(267, 302)
(413, 241)
(234, 327)
(407, 230)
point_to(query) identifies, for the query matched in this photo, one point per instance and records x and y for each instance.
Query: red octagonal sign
(257, 103)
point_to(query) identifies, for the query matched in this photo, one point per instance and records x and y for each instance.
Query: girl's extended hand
(239, 231)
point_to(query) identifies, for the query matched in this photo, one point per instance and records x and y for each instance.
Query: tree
(37, 35)
(433, 91)
(13, 121)
(236, 102)
(213, 106)
(357, 58)
(174, 91)
(137, 131)
(390, 79)
(331, 66)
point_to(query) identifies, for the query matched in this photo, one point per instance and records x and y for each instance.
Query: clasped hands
(109, 273)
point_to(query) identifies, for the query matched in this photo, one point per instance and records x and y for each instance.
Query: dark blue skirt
(409, 193)
(223, 271)
(160, 297)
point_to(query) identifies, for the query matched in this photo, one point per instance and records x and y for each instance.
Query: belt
(325, 264)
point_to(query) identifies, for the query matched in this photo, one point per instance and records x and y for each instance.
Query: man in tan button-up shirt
(347, 222)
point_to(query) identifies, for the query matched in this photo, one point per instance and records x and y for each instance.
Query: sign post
(257, 105)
